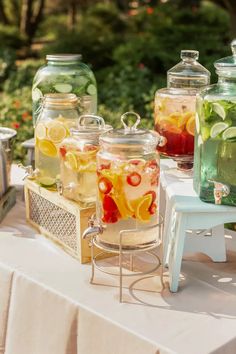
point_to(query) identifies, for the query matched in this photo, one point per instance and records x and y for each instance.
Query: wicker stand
(59, 219)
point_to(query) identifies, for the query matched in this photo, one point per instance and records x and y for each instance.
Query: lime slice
(91, 89)
(217, 108)
(218, 128)
(46, 181)
(229, 133)
(36, 94)
(40, 131)
(71, 160)
(205, 132)
(56, 132)
(63, 88)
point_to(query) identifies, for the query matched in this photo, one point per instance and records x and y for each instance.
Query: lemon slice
(217, 108)
(218, 128)
(142, 213)
(229, 133)
(56, 132)
(47, 148)
(41, 131)
(71, 160)
(46, 181)
(190, 126)
(170, 124)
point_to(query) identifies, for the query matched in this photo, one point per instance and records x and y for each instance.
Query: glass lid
(90, 126)
(227, 64)
(131, 135)
(188, 73)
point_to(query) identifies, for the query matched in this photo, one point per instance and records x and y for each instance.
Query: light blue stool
(190, 224)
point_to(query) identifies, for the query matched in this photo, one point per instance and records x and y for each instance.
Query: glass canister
(65, 73)
(175, 108)
(58, 115)
(215, 142)
(128, 178)
(78, 159)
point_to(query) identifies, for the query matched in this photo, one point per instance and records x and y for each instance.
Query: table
(48, 306)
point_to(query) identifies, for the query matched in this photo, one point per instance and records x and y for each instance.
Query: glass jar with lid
(65, 73)
(58, 115)
(175, 108)
(215, 143)
(78, 159)
(128, 178)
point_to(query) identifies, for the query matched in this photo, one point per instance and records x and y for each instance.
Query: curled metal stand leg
(121, 250)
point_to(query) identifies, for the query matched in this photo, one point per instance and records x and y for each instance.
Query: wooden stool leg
(177, 249)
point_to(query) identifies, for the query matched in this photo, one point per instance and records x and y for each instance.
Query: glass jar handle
(134, 126)
(92, 118)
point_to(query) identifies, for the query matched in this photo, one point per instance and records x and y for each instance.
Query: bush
(15, 112)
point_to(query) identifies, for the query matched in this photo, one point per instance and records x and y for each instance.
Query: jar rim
(63, 57)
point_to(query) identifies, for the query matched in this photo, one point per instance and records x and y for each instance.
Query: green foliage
(15, 112)
(10, 37)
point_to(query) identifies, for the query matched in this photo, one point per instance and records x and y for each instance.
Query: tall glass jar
(215, 141)
(78, 159)
(65, 73)
(58, 115)
(175, 108)
(128, 178)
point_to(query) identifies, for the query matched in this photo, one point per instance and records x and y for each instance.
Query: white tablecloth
(47, 305)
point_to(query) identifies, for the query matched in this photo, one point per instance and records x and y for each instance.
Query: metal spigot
(220, 190)
(29, 171)
(61, 188)
(94, 228)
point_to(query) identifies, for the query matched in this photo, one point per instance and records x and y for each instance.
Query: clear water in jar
(78, 172)
(49, 133)
(128, 198)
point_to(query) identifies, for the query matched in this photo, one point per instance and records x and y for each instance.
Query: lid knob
(130, 128)
(91, 120)
(233, 46)
(189, 55)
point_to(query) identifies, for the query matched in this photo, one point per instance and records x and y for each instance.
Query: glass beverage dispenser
(65, 73)
(215, 141)
(128, 178)
(175, 108)
(58, 115)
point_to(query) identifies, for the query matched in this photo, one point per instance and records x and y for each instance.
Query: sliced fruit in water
(217, 108)
(71, 160)
(217, 129)
(47, 148)
(183, 118)
(56, 132)
(205, 133)
(142, 211)
(46, 181)
(190, 125)
(170, 124)
(197, 123)
(36, 94)
(91, 89)
(229, 133)
(41, 131)
(63, 88)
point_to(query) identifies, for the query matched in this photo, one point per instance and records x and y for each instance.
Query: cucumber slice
(46, 181)
(36, 95)
(63, 88)
(91, 89)
(82, 80)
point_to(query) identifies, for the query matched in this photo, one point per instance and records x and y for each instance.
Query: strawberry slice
(134, 179)
(153, 209)
(109, 204)
(63, 151)
(104, 185)
(154, 195)
(153, 165)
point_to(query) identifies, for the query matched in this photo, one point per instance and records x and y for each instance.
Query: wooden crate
(59, 219)
(7, 201)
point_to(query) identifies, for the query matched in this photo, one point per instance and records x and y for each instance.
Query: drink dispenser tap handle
(29, 171)
(220, 190)
(94, 228)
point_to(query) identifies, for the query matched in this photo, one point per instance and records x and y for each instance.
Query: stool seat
(190, 224)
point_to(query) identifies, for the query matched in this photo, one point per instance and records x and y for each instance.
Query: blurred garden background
(128, 44)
